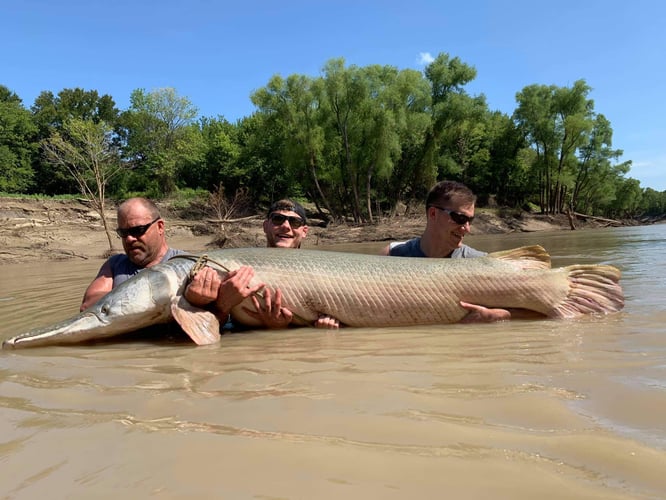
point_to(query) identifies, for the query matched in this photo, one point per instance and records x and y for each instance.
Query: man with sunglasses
(141, 229)
(449, 214)
(285, 227)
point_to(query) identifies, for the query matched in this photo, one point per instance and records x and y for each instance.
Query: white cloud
(425, 58)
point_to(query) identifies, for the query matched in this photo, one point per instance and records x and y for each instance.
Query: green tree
(653, 203)
(291, 109)
(86, 151)
(465, 143)
(450, 106)
(156, 132)
(414, 120)
(370, 112)
(260, 165)
(380, 127)
(51, 112)
(344, 91)
(220, 164)
(596, 172)
(627, 200)
(17, 135)
(357, 138)
(557, 121)
(505, 175)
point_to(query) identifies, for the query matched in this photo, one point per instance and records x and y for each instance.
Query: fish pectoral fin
(202, 326)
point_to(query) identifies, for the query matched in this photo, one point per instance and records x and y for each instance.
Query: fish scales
(359, 290)
(366, 290)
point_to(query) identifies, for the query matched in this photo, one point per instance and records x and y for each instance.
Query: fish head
(141, 301)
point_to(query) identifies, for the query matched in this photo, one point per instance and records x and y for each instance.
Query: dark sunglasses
(135, 231)
(278, 220)
(457, 217)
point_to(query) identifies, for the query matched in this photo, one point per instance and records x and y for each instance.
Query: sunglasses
(135, 231)
(278, 220)
(457, 217)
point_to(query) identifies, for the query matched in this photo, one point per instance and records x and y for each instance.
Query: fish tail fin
(592, 289)
(527, 257)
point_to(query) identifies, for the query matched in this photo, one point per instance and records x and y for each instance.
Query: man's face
(453, 221)
(281, 231)
(141, 249)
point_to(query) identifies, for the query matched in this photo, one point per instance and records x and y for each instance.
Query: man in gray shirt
(449, 215)
(141, 229)
(449, 212)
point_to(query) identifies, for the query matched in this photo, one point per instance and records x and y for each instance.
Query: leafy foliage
(17, 146)
(86, 150)
(357, 142)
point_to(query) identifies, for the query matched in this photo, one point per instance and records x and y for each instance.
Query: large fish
(359, 290)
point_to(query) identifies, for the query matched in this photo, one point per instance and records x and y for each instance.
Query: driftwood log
(608, 222)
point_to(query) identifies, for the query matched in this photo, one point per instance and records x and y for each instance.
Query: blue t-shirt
(123, 269)
(412, 248)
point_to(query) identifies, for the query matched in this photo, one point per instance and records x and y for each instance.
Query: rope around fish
(201, 261)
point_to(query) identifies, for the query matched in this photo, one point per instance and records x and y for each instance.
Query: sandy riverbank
(38, 230)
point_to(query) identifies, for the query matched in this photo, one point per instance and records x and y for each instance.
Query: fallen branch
(231, 221)
(600, 219)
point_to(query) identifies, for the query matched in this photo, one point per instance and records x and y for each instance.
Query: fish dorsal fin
(202, 326)
(528, 257)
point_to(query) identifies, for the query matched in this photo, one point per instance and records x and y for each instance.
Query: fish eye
(105, 309)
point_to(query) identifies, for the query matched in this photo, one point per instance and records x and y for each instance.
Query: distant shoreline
(34, 230)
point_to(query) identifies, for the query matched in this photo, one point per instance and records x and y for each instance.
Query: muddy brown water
(519, 410)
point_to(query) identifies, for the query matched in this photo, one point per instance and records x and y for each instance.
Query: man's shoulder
(117, 259)
(408, 248)
(172, 252)
(119, 264)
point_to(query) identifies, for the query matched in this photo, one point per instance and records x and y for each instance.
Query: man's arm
(273, 315)
(480, 314)
(207, 287)
(99, 287)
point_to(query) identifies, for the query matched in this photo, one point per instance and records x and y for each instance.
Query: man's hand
(270, 312)
(203, 288)
(480, 314)
(327, 322)
(235, 288)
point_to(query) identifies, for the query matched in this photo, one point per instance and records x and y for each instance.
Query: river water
(515, 410)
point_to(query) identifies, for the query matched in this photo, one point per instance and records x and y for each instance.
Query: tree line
(358, 142)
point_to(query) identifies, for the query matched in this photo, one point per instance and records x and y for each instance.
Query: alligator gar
(359, 290)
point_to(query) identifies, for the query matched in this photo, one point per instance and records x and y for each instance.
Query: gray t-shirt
(412, 248)
(123, 269)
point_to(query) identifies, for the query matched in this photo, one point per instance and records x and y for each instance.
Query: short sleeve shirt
(412, 248)
(123, 269)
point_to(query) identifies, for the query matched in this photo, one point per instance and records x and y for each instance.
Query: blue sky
(216, 53)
